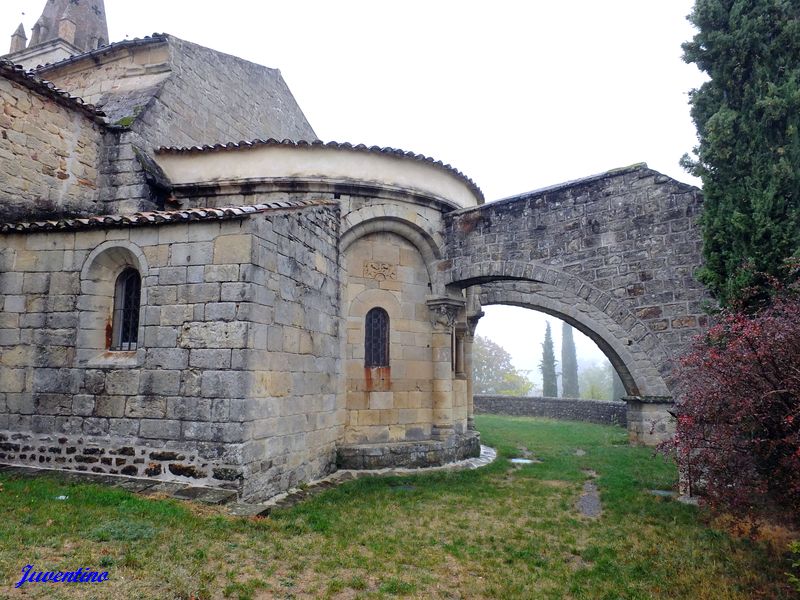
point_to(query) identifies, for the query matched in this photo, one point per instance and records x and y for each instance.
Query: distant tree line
(494, 373)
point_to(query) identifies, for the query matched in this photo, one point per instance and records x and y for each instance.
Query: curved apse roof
(386, 151)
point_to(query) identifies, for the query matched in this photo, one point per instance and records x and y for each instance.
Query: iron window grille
(125, 321)
(376, 338)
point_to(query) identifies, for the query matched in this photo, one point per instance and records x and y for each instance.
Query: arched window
(376, 338)
(125, 322)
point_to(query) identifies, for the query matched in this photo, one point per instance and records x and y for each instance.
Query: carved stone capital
(444, 312)
(472, 323)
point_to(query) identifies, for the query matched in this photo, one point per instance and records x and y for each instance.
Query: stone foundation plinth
(649, 419)
(192, 464)
(429, 453)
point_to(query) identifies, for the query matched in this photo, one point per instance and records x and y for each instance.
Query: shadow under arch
(640, 373)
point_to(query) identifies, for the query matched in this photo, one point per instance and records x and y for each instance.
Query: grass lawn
(500, 532)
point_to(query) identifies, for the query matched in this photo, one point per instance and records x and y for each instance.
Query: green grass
(499, 532)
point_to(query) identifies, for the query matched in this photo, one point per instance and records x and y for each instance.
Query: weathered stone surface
(49, 157)
(408, 454)
(227, 474)
(213, 335)
(612, 254)
(650, 421)
(186, 471)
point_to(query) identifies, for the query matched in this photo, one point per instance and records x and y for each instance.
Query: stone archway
(638, 368)
(614, 254)
(649, 399)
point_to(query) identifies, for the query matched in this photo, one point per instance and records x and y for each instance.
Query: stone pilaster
(650, 419)
(443, 316)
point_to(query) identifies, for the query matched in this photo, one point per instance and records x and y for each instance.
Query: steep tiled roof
(156, 37)
(156, 217)
(32, 81)
(319, 144)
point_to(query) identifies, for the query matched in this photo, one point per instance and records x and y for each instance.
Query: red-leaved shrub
(738, 410)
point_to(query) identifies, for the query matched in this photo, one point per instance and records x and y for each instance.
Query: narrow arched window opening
(376, 338)
(125, 321)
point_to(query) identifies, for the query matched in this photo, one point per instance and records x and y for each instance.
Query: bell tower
(65, 28)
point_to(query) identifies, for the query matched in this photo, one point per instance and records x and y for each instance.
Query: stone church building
(183, 305)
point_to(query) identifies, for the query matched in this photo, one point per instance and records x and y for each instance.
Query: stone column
(460, 356)
(443, 316)
(469, 338)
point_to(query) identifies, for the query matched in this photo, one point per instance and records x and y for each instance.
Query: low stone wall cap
(650, 399)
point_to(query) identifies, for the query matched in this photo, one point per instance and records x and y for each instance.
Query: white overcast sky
(517, 95)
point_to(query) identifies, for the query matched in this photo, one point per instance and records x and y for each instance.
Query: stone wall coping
(605, 412)
(558, 187)
(546, 398)
(650, 399)
(158, 217)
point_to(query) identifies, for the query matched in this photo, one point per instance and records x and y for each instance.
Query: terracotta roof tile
(46, 88)
(320, 144)
(156, 37)
(156, 217)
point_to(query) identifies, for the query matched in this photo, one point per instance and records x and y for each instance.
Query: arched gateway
(613, 255)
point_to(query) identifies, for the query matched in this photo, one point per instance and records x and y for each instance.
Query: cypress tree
(548, 366)
(569, 363)
(748, 120)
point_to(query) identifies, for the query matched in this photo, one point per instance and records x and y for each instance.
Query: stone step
(144, 487)
(238, 509)
(213, 496)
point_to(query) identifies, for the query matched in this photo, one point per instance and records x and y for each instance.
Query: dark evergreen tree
(569, 363)
(548, 366)
(748, 123)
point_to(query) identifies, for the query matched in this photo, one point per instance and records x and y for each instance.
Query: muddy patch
(589, 502)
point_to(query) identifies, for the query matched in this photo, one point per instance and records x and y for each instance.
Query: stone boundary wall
(603, 412)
